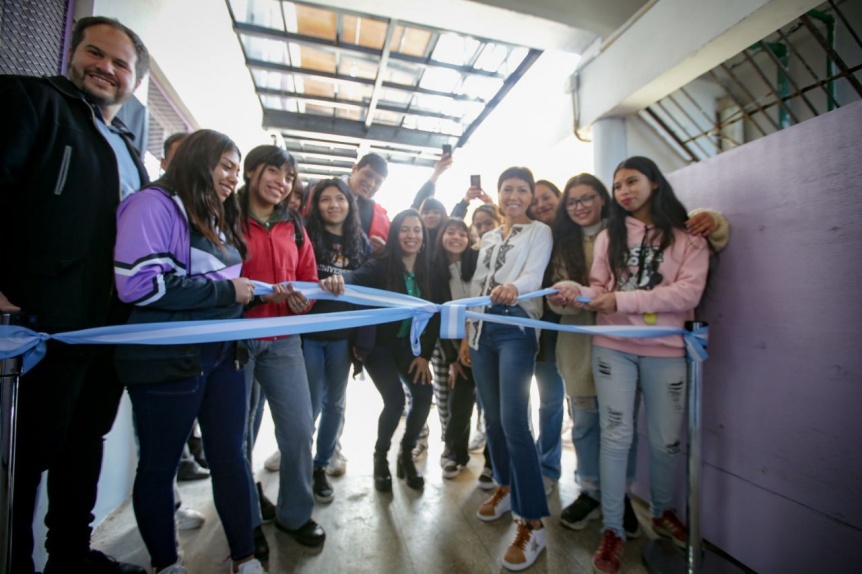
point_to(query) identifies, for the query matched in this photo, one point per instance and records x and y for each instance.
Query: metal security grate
(806, 68)
(165, 119)
(32, 33)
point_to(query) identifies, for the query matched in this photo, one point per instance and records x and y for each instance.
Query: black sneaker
(486, 479)
(261, 546)
(267, 508)
(451, 468)
(310, 534)
(323, 492)
(630, 520)
(580, 512)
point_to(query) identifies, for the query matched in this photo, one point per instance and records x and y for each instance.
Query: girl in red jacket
(279, 252)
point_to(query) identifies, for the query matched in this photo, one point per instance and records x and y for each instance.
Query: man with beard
(65, 164)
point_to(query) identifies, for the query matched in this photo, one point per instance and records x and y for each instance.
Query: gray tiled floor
(433, 531)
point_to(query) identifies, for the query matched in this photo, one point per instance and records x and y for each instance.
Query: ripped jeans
(663, 383)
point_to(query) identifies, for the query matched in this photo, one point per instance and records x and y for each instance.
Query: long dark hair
(569, 236)
(393, 257)
(440, 259)
(356, 247)
(190, 176)
(667, 212)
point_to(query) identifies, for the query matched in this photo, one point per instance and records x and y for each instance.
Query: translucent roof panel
(264, 13)
(395, 85)
(454, 49)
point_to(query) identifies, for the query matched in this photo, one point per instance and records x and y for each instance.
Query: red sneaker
(607, 558)
(668, 525)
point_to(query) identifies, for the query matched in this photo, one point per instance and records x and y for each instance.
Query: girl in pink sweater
(648, 270)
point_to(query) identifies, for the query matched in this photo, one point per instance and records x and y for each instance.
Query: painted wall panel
(783, 387)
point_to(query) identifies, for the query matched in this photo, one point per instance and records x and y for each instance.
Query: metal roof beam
(284, 69)
(347, 48)
(276, 119)
(348, 104)
(381, 71)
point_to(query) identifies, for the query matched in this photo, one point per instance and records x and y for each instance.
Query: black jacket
(372, 273)
(59, 190)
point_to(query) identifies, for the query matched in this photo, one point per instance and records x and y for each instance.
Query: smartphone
(447, 148)
(475, 181)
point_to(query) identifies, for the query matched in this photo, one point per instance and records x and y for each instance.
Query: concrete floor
(433, 531)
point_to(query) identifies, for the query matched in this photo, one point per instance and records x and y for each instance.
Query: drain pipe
(604, 46)
(829, 21)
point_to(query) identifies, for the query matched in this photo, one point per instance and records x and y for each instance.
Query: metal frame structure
(770, 85)
(343, 93)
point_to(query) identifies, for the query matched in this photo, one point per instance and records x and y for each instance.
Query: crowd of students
(190, 244)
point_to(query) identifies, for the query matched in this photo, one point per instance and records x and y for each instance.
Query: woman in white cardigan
(512, 262)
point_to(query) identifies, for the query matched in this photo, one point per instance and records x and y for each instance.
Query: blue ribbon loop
(383, 307)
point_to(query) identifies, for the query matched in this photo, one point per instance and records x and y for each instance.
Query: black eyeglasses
(586, 201)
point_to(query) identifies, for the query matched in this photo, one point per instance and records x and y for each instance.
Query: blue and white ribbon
(386, 306)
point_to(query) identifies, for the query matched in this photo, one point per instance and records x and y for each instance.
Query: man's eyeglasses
(587, 201)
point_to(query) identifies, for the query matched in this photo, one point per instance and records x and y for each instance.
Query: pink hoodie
(677, 288)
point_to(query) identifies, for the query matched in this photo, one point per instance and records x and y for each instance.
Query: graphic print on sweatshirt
(643, 262)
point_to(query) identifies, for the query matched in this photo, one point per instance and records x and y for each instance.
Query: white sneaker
(188, 518)
(444, 457)
(253, 566)
(338, 463)
(176, 568)
(273, 462)
(550, 485)
(496, 506)
(526, 547)
(420, 450)
(477, 443)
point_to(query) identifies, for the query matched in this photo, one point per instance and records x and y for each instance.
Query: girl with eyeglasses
(649, 269)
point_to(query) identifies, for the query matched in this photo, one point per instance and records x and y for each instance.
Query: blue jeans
(503, 369)
(164, 414)
(387, 365)
(586, 436)
(663, 382)
(552, 395)
(279, 368)
(327, 363)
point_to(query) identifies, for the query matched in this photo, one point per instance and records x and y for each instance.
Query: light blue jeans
(279, 368)
(663, 382)
(586, 436)
(552, 395)
(327, 363)
(503, 368)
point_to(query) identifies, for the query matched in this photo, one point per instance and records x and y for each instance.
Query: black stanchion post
(10, 370)
(661, 556)
(693, 551)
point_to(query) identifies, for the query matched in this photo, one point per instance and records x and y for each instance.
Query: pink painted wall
(782, 400)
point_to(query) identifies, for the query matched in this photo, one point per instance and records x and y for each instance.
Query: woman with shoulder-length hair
(279, 253)
(401, 267)
(512, 262)
(178, 257)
